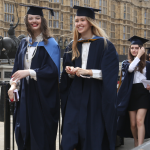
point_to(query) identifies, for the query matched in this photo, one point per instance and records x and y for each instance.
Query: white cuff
(33, 74)
(97, 74)
(71, 76)
(17, 83)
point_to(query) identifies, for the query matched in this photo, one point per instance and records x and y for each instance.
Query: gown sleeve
(65, 79)
(110, 69)
(133, 65)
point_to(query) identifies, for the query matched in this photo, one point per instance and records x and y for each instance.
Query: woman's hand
(141, 52)
(11, 91)
(80, 71)
(70, 70)
(148, 87)
(20, 74)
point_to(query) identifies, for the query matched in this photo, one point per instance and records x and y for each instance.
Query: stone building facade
(120, 19)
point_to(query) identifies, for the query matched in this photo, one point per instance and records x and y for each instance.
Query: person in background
(133, 98)
(148, 54)
(89, 87)
(36, 72)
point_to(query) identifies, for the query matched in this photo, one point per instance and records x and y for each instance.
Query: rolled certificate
(16, 97)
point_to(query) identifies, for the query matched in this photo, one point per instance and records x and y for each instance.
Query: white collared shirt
(97, 74)
(27, 64)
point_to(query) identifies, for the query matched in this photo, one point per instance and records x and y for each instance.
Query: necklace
(34, 52)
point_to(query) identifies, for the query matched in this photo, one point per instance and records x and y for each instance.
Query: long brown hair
(96, 30)
(44, 30)
(142, 62)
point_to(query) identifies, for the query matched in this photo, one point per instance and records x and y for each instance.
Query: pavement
(128, 142)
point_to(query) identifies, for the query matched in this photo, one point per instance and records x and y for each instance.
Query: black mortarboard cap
(86, 11)
(135, 40)
(37, 10)
(148, 48)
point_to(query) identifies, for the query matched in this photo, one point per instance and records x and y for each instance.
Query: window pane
(50, 15)
(124, 37)
(5, 17)
(128, 29)
(113, 27)
(145, 21)
(71, 27)
(145, 34)
(10, 8)
(124, 7)
(100, 9)
(57, 16)
(71, 19)
(57, 24)
(99, 23)
(104, 10)
(145, 14)
(54, 24)
(71, 3)
(10, 18)
(61, 25)
(123, 49)
(5, 8)
(100, 2)
(124, 15)
(61, 17)
(124, 29)
(128, 16)
(50, 23)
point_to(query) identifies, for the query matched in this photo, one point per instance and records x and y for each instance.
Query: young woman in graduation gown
(89, 87)
(133, 97)
(36, 71)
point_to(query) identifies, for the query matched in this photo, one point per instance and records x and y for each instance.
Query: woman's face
(134, 50)
(34, 22)
(82, 25)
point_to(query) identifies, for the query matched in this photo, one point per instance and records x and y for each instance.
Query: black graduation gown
(36, 115)
(89, 105)
(123, 120)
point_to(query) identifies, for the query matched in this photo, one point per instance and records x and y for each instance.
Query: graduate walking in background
(133, 97)
(36, 72)
(148, 54)
(89, 87)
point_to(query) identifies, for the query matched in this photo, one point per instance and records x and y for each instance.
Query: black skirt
(140, 97)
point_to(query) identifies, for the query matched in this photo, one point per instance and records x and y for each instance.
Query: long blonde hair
(96, 30)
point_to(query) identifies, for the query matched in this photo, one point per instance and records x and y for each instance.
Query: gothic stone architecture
(120, 19)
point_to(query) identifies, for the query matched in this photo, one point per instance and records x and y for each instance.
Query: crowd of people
(93, 111)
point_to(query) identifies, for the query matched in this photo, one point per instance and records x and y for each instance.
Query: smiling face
(134, 50)
(35, 22)
(82, 25)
